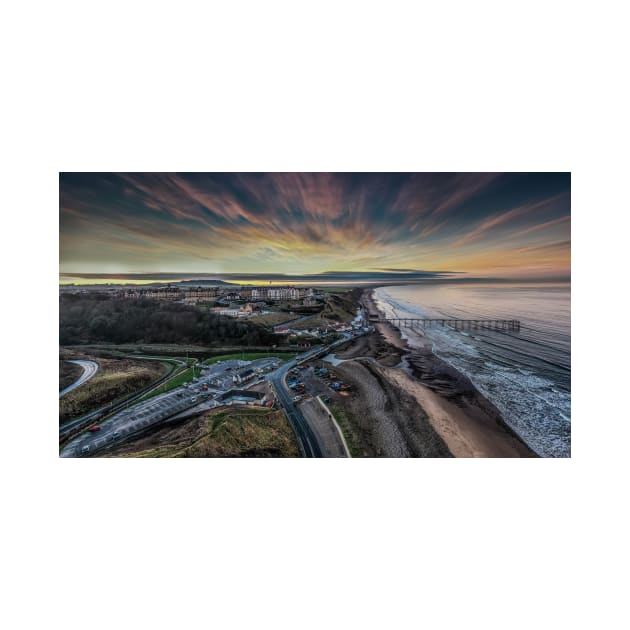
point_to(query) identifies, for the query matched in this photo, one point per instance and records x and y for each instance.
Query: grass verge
(68, 374)
(249, 356)
(232, 432)
(179, 378)
(343, 420)
(115, 379)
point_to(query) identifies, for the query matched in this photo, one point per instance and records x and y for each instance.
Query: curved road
(112, 407)
(307, 437)
(89, 370)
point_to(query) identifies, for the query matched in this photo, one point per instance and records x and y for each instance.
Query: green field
(232, 432)
(180, 378)
(249, 356)
(115, 380)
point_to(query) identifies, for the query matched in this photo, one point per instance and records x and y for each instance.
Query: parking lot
(318, 379)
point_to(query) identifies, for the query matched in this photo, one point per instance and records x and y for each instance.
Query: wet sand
(412, 403)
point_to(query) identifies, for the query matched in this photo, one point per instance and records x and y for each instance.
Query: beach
(411, 403)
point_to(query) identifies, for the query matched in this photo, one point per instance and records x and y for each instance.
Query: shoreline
(461, 418)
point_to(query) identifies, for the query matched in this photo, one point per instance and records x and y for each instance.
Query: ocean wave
(523, 386)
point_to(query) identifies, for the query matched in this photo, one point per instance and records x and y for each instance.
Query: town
(250, 298)
(292, 376)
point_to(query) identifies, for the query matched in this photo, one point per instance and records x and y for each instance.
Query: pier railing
(494, 324)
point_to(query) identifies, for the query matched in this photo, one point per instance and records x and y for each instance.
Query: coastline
(432, 409)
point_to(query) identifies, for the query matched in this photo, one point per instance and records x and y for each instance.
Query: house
(243, 376)
(251, 307)
(301, 344)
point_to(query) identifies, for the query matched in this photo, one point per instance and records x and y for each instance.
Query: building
(209, 293)
(242, 397)
(252, 307)
(242, 376)
(229, 312)
(300, 343)
(259, 293)
(285, 293)
(154, 293)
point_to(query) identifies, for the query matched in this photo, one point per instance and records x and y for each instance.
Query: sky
(247, 225)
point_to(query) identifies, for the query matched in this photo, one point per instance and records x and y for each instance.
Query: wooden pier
(492, 324)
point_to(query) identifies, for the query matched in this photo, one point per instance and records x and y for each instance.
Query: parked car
(94, 428)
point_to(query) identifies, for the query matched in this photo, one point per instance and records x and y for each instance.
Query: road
(292, 322)
(110, 408)
(306, 438)
(328, 434)
(217, 378)
(134, 419)
(306, 435)
(89, 370)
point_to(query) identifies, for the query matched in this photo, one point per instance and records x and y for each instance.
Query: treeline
(94, 319)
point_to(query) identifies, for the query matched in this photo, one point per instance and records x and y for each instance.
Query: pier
(513, 325)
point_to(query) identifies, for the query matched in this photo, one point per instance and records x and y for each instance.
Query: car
(116, 435)
(95, 428)
(85, 449)
(193, 399)
(296, 398)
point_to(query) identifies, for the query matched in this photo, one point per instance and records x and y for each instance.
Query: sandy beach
(410, 403)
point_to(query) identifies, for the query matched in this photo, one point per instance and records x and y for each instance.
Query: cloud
(507, 217)
(303, 222)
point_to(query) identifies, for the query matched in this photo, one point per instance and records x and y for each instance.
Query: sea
(526, 374)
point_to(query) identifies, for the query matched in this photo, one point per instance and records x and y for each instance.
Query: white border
(337, 86)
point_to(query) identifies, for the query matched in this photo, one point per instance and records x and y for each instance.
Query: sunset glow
(478, 225)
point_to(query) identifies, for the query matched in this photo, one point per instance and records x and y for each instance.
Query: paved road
(217, 378)
(112, 407)
(292, 322)
(136, 418)
(310, 444)
(306, 438)
(324, 428)
(89, 370)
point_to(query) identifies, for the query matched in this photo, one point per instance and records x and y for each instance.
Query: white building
(283, 293)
